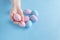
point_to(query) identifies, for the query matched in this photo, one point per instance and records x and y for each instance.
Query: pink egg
(27, 11)
(33, 18)
(26, 18)
(17, 17)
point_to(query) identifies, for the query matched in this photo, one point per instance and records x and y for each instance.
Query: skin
(16, 8)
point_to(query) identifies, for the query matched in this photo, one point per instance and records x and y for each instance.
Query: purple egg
(17, 17)
(33, 18)
(27, 11)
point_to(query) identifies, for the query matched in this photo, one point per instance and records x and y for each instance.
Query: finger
(22, 17)
(15, 22)
(22, 24)
(21, 14)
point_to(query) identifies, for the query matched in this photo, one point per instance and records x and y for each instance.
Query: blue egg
(28, 24)
(35, 12)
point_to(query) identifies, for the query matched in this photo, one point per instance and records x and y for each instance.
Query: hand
(15, 11)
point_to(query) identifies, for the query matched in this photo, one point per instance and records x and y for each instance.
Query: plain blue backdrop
(47, 28)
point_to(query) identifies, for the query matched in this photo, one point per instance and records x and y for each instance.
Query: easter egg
(27, 11)
(28, 24)
(17, 17)
(22, 24)
(33, 18)
(26, 18)
(35, 12)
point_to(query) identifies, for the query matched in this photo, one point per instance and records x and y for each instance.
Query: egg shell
(27, 11)
(26, 18)
(33, 18)
(28, 24)
(17, 17)
(35, 12)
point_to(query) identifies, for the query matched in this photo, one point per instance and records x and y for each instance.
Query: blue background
(47, 28)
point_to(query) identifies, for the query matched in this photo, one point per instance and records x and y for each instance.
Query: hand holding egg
(30, 17)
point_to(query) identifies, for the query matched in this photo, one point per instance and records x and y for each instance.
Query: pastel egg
(35, 12)
(17, 17)
(27, 11)
(26, 18)
(33, 18)
(28, 24)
